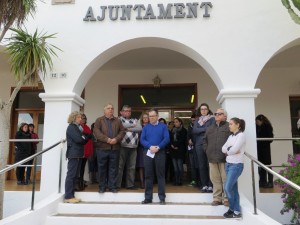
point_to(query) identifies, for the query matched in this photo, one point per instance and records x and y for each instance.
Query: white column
(240, 103)
(57, 109)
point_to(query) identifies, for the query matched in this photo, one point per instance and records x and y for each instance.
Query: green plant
(296, 4)
(291, 196)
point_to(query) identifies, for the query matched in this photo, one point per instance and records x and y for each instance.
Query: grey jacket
(214, 138)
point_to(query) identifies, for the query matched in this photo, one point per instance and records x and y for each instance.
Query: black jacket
(264, 147)
(180, 143)
(22, 149)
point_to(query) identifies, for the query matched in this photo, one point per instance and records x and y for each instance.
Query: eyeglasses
(83, 118)
(218, 114)
(204, 109)
(152, 115)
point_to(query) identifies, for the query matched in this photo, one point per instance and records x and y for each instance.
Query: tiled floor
(11, 185)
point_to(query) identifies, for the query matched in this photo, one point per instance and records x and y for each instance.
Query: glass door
(35, 117)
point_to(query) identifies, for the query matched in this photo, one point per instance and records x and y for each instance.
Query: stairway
(126, 208)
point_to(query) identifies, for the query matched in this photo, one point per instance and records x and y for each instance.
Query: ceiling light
(192, 98)
(143, 99)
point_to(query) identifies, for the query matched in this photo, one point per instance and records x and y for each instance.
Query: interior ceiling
(159, 58)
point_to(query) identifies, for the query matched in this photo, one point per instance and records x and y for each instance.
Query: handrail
(35, 164)
(278, 139)
(273, 172)
(270, 171)
(30, 157)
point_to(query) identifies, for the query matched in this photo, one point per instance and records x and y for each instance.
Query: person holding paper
(154, 138)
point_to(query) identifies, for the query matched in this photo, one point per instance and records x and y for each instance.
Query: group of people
(24, 150)
(121, 144)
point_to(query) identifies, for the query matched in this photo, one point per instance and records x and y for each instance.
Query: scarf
(175, 132)
(203, 119)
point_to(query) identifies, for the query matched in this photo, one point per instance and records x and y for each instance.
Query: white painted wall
(103, 87)
(277, 85)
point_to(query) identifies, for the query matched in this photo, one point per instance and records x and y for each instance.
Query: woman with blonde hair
(75, 152)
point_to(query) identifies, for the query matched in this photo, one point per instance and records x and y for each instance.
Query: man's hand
(154, 149)
(113, 141)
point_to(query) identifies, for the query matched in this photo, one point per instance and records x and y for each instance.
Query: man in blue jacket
(155, 137)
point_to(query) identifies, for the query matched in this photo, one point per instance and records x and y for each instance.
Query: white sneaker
(209, 190)
(204, 189)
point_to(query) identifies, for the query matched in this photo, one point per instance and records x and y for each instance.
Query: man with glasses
(154, 138)
(128, 148)
(215, 137)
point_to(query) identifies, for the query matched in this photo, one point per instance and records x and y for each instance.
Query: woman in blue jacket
(76, 140)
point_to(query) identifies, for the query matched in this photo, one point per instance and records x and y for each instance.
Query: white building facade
(243, 54)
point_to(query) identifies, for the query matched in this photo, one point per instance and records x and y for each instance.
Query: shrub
(291, 196)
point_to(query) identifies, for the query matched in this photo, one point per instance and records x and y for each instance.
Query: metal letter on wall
(89, 16)
(165, 14)
(126, 12)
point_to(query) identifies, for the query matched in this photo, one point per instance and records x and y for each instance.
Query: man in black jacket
(215, 137)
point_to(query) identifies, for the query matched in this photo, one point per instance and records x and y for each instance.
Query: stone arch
(136, 43)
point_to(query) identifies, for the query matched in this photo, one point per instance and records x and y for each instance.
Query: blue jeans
(233, 171)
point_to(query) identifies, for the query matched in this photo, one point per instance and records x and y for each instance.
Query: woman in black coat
(76, 140)
(22, 151)
(264, 129)
(178, 143)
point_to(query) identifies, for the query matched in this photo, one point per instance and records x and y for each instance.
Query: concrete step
(126, 208)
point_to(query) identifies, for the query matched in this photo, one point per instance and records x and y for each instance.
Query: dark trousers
(178, 170)
(128, 158)
(203, 166)
(28, 170)
(108, 160)
(265, 177)
(20, 173)
(82, 168)
(158, 162)
(74, 166)
(193, 168)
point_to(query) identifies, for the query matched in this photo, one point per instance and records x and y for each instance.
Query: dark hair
(31, 125)
(22, 125)
(180, 120)
(198, 112)
(193, 116)
(241, 122)
(92, 126)
(162, 119)
(264, 120)
(153, 110)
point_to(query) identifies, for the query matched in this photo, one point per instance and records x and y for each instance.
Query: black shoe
(146, 201)
(162, 202)
(101, 190)
(20, 182)
(114, 190)
(269, 185)
(132, 188)
(228, 214)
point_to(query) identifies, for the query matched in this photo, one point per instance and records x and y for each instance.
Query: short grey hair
(223, 110)
(108, 104)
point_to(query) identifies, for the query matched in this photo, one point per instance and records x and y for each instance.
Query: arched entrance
(137, 68)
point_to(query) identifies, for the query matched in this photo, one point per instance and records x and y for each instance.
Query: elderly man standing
(109, 132)
(215, 137)
(154, 138)
(128, 147)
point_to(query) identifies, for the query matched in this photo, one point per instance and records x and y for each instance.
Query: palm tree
(296, 4)
(14, 12)
(30, 55)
